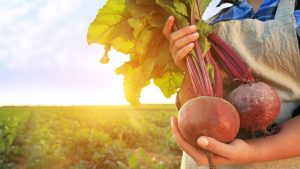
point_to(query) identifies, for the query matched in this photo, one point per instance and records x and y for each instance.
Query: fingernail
(169, 17)
(196, 34)
(202, 141)
(191, 44)
(193, 27)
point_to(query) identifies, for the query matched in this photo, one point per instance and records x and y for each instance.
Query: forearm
(284, 144)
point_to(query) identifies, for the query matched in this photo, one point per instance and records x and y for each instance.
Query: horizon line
(80, 105)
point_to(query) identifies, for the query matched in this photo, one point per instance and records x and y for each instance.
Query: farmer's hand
(181, 42)
(236, 152)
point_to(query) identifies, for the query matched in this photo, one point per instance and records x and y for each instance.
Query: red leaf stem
(213, 52)
(194, 75)
(231, 69)
(199, 9)
(218, 77)
(213, 82)
(215, 39)
(207, 82)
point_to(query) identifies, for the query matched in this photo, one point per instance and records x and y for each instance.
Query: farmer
(264, 35)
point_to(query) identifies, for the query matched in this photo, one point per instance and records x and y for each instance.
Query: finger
(180, 62)
(218, 160)
(168, 27)
(215, 146)
(182, 53)
(198, 155)
(181, 33)
(185, 40)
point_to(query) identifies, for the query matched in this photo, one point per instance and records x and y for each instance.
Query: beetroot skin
(208, 116)
(258, 105)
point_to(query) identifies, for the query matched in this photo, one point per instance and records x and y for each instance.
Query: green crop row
(100, 138)
(12, 123)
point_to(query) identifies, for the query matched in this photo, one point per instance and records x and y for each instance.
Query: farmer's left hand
(236, 152)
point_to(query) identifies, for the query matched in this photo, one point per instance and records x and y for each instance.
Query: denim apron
(270, 50)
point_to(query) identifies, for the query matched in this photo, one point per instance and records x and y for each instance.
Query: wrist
(254, 154)
(183, 95)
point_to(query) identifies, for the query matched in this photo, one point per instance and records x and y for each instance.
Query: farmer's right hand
(181, 42)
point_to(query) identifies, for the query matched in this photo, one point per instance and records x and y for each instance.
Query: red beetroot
(257, 103)
(208, 116)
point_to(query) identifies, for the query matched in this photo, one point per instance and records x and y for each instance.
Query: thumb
(214, 146)
(168, 27)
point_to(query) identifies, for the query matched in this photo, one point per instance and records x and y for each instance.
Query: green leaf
(137, 10)
(180, 7)
(204, 30)
(157, 20)
(142, 41)
(164, 59)
(111, 27)
(109, 16)
(169, 83)
(168, 5)
(137, 75)
(122, 45)
(204, 44)
(154, 14)
(204, 4)
(138, 25)
(145, 2)
(135, 27)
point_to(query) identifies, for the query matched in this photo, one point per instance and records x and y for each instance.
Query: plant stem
(199, 9)
(194, 75)
(231, 70)
(207, 82)
(231, 56)
(218, 77)
(210, 161)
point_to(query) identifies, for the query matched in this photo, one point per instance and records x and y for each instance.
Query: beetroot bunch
(134, 27)
(252, 106)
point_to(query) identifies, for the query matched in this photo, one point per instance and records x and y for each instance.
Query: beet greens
(134, 27)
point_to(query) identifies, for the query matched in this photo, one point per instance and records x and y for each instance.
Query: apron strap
(285, 7)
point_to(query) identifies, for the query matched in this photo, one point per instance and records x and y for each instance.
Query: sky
(45, 59)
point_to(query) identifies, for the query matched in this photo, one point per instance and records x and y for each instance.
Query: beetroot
(208, 116)
(257, 103)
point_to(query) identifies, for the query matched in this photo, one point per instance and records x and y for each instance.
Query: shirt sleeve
(211, 20)
(297, 17)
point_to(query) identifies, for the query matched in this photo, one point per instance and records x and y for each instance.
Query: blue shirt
(266, 11)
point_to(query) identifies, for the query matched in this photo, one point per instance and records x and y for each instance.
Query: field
(103, 137)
